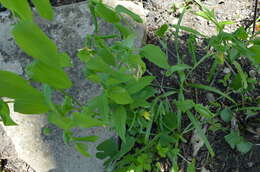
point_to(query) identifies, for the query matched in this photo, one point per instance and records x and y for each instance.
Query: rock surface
(26, 142)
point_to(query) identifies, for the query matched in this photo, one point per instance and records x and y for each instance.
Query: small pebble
(210, 97)
(226, 70)
(252, 73)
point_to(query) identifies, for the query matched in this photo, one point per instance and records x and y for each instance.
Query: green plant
(226, 49)
(147, 116)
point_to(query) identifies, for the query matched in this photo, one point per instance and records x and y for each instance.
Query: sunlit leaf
(118, 118)
(119, 95)
(5, 114)
(155, 55)
(28, 100)
(44, 8)
(122, 9)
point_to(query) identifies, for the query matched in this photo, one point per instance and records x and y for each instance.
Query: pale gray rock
(25, 146)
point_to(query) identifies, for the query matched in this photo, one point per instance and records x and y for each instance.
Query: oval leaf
(28, 100)
(155, 55)
(50, 75)
(119, 95)
(106, 13)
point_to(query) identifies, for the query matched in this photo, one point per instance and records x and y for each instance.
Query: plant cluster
(146, 116)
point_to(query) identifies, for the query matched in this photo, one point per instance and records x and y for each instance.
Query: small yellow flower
(146, 115)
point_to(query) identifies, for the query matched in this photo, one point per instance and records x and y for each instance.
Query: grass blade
(214, 90)
(197, 126)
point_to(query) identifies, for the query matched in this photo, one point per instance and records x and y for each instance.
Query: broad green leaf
(49, 74)
(5, 114)
(106, 13)
(86, 139)
(243, 76)
(141, 97)
(125, 147)
(155, 55)
(241, 33)
(85, 120)
(118, 118)
(201, 134)
(256, 53)
(124, 30)
(204, 111)
(177, 68)
(44, 8)
(99, 104)
(233, 138)
(122, 9)
(212, 89)
(244, 146)
(60, 121)
(108, 148)
(226, 115)
(170, 121)
(28, 100)
(82, 148)
(85, 54)
(32, 40)
(162, 30)
(107, 56)
(134, 86)
(236, 83)
(119, 95)
(21, 7)
(185, 105)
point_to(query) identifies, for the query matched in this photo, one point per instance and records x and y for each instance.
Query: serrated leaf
(5, 114)
(226, 115)
(162, 30)
(118, 118)
(106, 13)
(82, 148)
(49, 74)
(44, 8)
(32, 40)
(134, 86)
(155, 55)
(122, 9)
(119, 95)
(28, 100)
